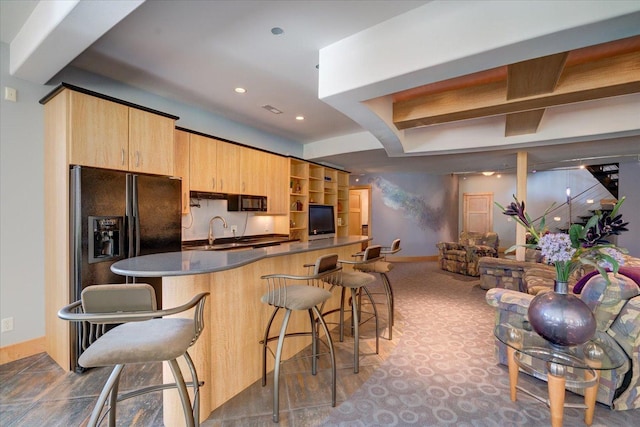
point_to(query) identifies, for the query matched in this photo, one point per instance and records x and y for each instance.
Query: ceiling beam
(535, 76)
(523, 123)
(612, 76)
(527, 78)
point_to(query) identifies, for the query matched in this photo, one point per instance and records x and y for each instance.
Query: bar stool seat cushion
(355, 279)
(377, 267)
(152, 340)
(296, 297)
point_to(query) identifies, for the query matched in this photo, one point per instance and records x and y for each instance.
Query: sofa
(463, 256)
(529, 277)
(618, 324)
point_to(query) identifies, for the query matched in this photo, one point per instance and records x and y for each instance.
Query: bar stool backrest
(325, 263)
(371, 253)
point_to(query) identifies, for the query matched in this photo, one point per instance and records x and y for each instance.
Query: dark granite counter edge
(186, 263)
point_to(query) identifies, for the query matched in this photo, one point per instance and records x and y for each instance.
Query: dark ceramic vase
(561, 318)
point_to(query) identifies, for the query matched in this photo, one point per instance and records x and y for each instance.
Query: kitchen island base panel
(227, 355)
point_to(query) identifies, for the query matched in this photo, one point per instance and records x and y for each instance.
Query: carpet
(443, 372)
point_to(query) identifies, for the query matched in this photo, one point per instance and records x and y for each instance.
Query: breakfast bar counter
(200, 262)
(228, 354)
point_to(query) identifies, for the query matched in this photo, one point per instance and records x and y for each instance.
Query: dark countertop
(189, 262)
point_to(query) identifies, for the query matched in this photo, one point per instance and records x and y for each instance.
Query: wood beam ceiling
(522, 91)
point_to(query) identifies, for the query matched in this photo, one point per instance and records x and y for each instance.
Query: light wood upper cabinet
(253, 172)
(150, 142)
(202, 163)
(181, 165)
(228, 168)
(110, 135)
(98, 132)
(277, 182)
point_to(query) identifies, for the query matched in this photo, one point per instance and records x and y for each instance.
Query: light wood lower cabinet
(228, 355)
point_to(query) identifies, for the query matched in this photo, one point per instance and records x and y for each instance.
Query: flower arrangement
(584, 245)
(517, 212)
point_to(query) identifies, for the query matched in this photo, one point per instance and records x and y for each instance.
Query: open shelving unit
(312, 183)
(342, 209)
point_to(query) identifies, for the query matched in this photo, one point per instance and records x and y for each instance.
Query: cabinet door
(202, 163)
(181, 165)
(277, 184)
(98, 132)
(150, 142)
(228, 170)
(253, 172)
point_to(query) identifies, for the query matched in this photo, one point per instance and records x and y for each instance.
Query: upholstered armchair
(462, 256)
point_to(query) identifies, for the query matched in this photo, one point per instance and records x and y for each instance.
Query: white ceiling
(197, 52)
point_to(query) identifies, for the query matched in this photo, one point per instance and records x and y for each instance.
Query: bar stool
(383, 267)
(307, 294)
(357, 282)
(142, 335)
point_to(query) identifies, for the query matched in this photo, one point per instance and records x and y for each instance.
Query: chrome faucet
(224, 223)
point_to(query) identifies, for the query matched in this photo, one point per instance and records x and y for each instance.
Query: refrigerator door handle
(136, 216)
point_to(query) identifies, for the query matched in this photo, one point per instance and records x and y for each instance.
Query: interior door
(355, 214)
(478, 212)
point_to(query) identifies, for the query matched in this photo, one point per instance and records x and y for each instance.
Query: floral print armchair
(462, 256)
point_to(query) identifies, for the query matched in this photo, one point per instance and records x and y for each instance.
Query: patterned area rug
(443, 371)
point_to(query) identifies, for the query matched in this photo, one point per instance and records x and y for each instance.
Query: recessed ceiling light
(488, 173)
(299, 118)
(240, 90)
(276, 31)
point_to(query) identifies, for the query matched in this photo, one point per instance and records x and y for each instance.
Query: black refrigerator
(117, 215)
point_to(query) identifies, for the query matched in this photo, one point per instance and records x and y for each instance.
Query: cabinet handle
(213, 183)
(122, 156)
(243, 187)
(137, 158)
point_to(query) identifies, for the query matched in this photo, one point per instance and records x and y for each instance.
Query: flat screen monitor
(321, 222)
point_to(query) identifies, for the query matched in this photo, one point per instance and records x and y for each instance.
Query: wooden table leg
(590, 400)
(593, 354)
(513, 372)
(556, 384)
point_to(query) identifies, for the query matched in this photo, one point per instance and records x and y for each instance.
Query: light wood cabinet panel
(277, 182)
(181, 165)
(253, 172)
(98, 132)
(228, 168)
(202, 163)
(150, 142)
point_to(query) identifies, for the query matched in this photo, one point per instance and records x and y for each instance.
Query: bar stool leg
(331, 353)
(375, 315)
(356, 331)
(182, 391)
(388, 290)
(104, 394)
(265, 342)
(314, 344)
(276, 369)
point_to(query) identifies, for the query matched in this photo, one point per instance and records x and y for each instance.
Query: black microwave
(238, 202)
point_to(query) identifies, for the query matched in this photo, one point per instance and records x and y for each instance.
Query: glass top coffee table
(575, 366)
